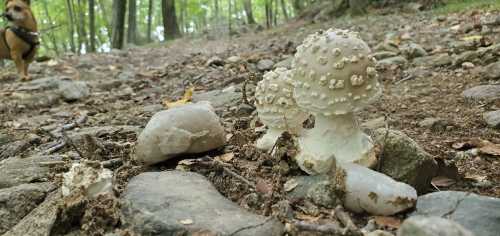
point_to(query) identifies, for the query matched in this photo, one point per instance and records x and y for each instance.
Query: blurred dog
(19, 41)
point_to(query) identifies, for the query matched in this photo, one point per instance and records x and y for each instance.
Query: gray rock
(404, 160)
(126, 75)
(431, 226)
(15, 171)
(17, 202)
(413, 50)
(492, 71)
(188, 129)
(374, 123)
(378, 233)
(4, 138)
(40, 221)
(265, 65)
(73, 90)
(384, 55)
(219, 98)
(492, 118)
(482, 92)
(48, 83)
(387, 46)
(214, 61)
(233, 59)
(437, 60)
(317, 189)
(479, 214)
(414, 7)
(434, 124)
(468, 56)
(14, 148)
(392, 61)
(185, 203)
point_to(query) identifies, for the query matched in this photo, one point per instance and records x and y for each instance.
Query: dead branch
(54, 148)
(344, 217)
(57, 133)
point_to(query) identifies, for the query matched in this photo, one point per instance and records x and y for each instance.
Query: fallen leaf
(186, 222)
(443, 181)
(188, 95)
(226, 157)
(473, 38)
(263, 187)
(291, 185)
(387, 221)
(490, 149)
(477, 178)
(308, 218)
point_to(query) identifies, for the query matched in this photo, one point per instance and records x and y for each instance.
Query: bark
(51, 34)
(171, 28)
(132, 22)
(92, 25)
(247, 5)
(150, 19)
(118, 25)
(283, 9)
(71, 29)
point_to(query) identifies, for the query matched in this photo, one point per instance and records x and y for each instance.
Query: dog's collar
(28, 36)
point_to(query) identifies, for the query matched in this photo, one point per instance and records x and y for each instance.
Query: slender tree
(92, 25)
(150, 19)
(283, 9)
(51, 34)
(118, 25)
(132, 22)
(71, 29)
(170, 26)
(247, 5)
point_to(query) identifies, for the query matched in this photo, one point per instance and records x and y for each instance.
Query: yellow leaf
(188, 95)
(472, 38)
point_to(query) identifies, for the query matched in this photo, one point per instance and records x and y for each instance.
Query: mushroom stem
(336, 136)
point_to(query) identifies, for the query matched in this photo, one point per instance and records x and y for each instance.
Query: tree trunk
(150, 20)
(269, 13)
(132, 22)
(92, 25)
(275, 12)
(170, 26)
(358, 7)
(118, 31)
(82, 32)
(105, 18)
(230, 16)
(71, 24)
(283, 9)
(247, 4)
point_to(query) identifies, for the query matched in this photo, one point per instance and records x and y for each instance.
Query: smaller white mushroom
(369, 191)
(91, 178)
(277, 108)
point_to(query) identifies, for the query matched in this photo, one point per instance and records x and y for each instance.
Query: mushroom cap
(334, 73)
(275, 103)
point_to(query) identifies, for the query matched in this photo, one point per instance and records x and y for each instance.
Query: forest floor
(127, 87)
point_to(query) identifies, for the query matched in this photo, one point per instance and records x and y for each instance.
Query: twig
(345, 219)
(409, 77)
(382, 148)
(112, 162)
(330, 229)
(72, 144)
(244, 91)
(58, 131)
(56, 147)
(252, 226)
(234, 174)
(52, 163)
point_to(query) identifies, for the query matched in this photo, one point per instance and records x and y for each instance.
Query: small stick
(72, 144)
(234, 174)
(58, 131)
(112, 162)
(330, 229)
(345, 219)
(52, 163)
(54, 148)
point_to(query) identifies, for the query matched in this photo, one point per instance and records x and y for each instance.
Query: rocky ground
(440, 77)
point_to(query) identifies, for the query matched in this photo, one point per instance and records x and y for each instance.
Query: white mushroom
(277, 108)
(334, 76)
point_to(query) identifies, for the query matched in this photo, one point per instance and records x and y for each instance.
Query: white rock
(93, 180)
(192, 128)
(373, 192)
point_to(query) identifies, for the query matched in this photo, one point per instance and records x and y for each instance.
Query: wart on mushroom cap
(277, 108)
(334, 76)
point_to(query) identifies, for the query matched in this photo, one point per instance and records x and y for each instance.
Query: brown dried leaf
(263, 187)
(490, 149)
(387, 221)
(443, 181)
(226, 157)
(307, 218)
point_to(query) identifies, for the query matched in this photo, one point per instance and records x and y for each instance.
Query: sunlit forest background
(82, 26)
